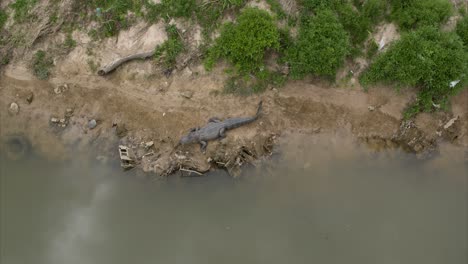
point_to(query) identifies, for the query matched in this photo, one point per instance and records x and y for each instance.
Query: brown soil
(157, 110)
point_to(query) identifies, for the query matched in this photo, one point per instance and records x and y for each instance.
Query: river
(317, 202)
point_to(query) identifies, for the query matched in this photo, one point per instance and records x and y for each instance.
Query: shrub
(410, 14)
(245, 42)
(167, 52)
(462, 30)
(41, 64)
(427, 59)
(178, 8)
(357, 20)
(321, 46)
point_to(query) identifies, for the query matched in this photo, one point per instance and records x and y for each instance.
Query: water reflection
(322, 201)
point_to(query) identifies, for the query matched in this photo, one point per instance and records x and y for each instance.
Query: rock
(69, 111)
(57, 90)
(149, 144)
(92, 124)
(371, 108)
(54, 120)
(450, 122)
(62, 120)
(164, 114)
(187, 72)
(30, 98)
(14, 108)
(187, 94)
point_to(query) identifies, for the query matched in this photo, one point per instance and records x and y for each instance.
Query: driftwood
(111, 66)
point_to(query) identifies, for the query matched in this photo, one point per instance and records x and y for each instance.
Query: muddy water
(318, 202)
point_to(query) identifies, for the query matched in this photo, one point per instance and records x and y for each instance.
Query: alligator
(216, 129)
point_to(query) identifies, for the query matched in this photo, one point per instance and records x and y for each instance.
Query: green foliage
(358, 19)
(22, 8)
(3, 18)
(427, 59)
(462, 30)
(167, 52)
(245, 42)
(209, 13)
(41, 64)
(69, 42)
(372, 49)
(410, 14)
(321, 46)
(248, 84)
(276, 7)
(178, 8)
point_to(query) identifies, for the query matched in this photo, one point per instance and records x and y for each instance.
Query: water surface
(319, 202)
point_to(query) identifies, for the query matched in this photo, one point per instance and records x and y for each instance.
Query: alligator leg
(193, 129)
(214, 120)
(222, 133)
(203, 145)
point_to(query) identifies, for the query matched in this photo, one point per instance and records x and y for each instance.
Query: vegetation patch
(246, 84)
(3, 18)
(245, 42)
(410, 14)
(167, 52)
(22, 8)
(427, 59)
(321, 46)
(42, 64)
(462, 30)
(358, 18)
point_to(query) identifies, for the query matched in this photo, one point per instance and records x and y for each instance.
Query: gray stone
(54, 120)
(14, 108)
(92, 124)
(187, 94)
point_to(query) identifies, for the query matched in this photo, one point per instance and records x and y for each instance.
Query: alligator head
(189, 138)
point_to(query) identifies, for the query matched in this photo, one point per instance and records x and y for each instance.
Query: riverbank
(150, 119)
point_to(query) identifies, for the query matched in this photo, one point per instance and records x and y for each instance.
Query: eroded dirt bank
(136, 112)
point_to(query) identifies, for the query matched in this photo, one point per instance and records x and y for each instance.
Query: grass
(462, 30)
(69, 42)
(3, 18)
(167, 52)
(42, 64)
(22, 8)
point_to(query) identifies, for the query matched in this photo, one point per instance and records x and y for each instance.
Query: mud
(134, 114)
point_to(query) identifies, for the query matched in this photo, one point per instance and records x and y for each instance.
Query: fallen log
(113, 65)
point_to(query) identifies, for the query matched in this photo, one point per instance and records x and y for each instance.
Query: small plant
(167, 52)
(178, 8)
(92, 65)
(3, 18)
(410, 14)
(462, 30)
(22, 8)
(426, 59)
(41, 64)
(321, 46)
(372, 49)
(245, 42)
(246, 84)
(69, 42)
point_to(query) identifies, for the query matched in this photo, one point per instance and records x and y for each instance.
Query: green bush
(3, 18)
(410, 14)
(178, 8)
(245, 42)
(22, 8)
(167, 52)
(321, 46)
(41, 64)
(427, 59)
(462, 30)
(358, 19)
